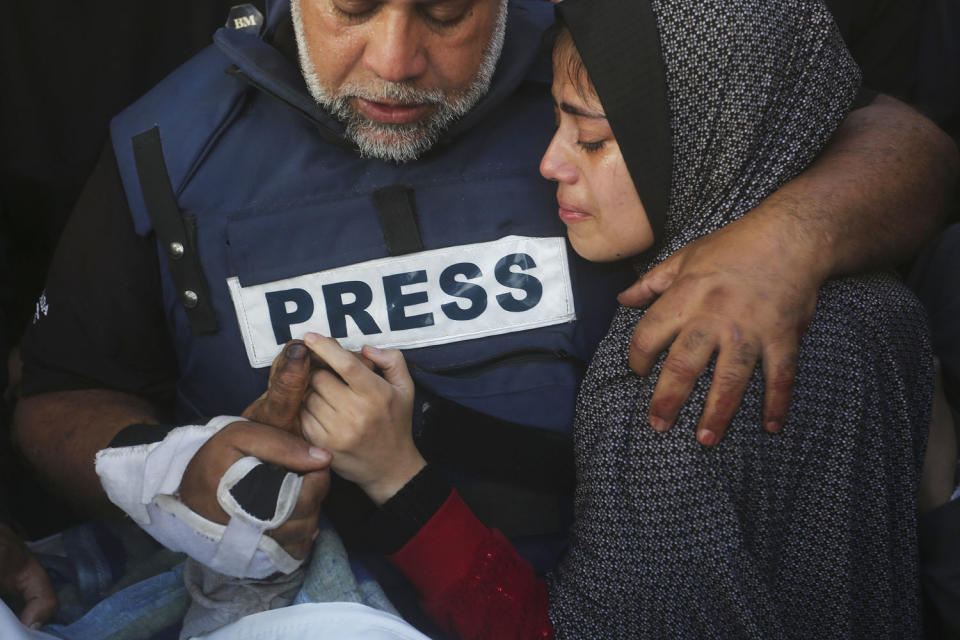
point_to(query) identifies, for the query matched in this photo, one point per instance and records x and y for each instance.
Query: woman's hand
(363, 419)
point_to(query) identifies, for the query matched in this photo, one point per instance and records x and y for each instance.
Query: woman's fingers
(345, 364)
(316, 415)
(393, 365)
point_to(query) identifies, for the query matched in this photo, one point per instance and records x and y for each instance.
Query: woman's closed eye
(591, 146)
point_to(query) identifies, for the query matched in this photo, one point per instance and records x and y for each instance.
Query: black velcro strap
(139, 434)
(398, 219)
(259, 490)
(175, 232)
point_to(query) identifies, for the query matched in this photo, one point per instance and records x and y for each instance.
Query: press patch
(416, 300)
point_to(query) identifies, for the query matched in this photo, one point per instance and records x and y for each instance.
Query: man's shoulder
(185, 90)
(187, 108)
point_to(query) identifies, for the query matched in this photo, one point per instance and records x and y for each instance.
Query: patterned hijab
(714, 103)
(809, 533)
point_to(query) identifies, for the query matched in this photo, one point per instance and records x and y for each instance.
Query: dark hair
(558, 41)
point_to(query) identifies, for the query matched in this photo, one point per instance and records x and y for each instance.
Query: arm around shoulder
(881, 187)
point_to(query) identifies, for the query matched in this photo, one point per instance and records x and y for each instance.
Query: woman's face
(598, 202)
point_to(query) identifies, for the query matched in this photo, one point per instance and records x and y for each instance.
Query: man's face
(398, 72)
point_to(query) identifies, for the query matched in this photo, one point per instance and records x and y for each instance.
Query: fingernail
(319, 454)
(310, 338)
(707, 438)
(372, 349)
(658, 423)
(296, 351)
(773, 426)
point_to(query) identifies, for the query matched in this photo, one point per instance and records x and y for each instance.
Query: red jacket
(471, 580)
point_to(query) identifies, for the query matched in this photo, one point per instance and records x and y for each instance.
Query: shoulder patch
(245, 17)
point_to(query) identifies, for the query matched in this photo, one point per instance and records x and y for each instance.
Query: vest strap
(175, 232)
(398, 219)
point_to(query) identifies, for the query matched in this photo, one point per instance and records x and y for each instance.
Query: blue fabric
(333, 576)
(96, 576)
(151, 608)
(272, 199)
(113, 581)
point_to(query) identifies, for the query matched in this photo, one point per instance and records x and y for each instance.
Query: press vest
(457, 258)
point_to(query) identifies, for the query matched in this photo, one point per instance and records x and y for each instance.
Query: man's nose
(395, 50)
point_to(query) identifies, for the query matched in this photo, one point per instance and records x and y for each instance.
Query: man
(392, 198)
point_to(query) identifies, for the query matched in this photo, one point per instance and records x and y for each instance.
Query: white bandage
(144, 480)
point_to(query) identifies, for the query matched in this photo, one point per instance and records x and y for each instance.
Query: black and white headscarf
(809, 533)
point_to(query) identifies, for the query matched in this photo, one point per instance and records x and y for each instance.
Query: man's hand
(739, 293)
(22, 575)
(279, 406)
(748, 291)
(198, 488)
(273, 437)
(363, 419)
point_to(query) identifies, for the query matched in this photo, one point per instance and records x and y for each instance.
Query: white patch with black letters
(416, 300)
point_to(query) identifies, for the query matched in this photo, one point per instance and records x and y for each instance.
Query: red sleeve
(472, 581)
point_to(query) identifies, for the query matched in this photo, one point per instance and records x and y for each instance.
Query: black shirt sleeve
(100, 322)
(401, 517)
(882, 36)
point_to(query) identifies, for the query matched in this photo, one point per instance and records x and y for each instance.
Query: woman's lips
(392, 113)
(571, 214)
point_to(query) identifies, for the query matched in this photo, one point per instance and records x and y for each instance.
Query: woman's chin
(602, 250)
(592, 250)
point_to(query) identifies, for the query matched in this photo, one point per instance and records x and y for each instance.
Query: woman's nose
(554, 165)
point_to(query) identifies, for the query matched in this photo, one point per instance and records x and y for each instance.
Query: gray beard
(399, 142)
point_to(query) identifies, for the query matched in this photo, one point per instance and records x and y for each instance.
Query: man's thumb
(646, 289)
(289, 378)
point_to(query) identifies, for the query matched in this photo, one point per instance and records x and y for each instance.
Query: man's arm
(747, 292)
(880, 189)
(98, 358)
(61, 432)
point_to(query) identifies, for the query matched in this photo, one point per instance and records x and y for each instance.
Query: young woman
(675, 118)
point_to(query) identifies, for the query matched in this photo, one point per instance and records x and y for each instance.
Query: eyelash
(442, 24)
(363, 15)
(354, 17)
(591, 147)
